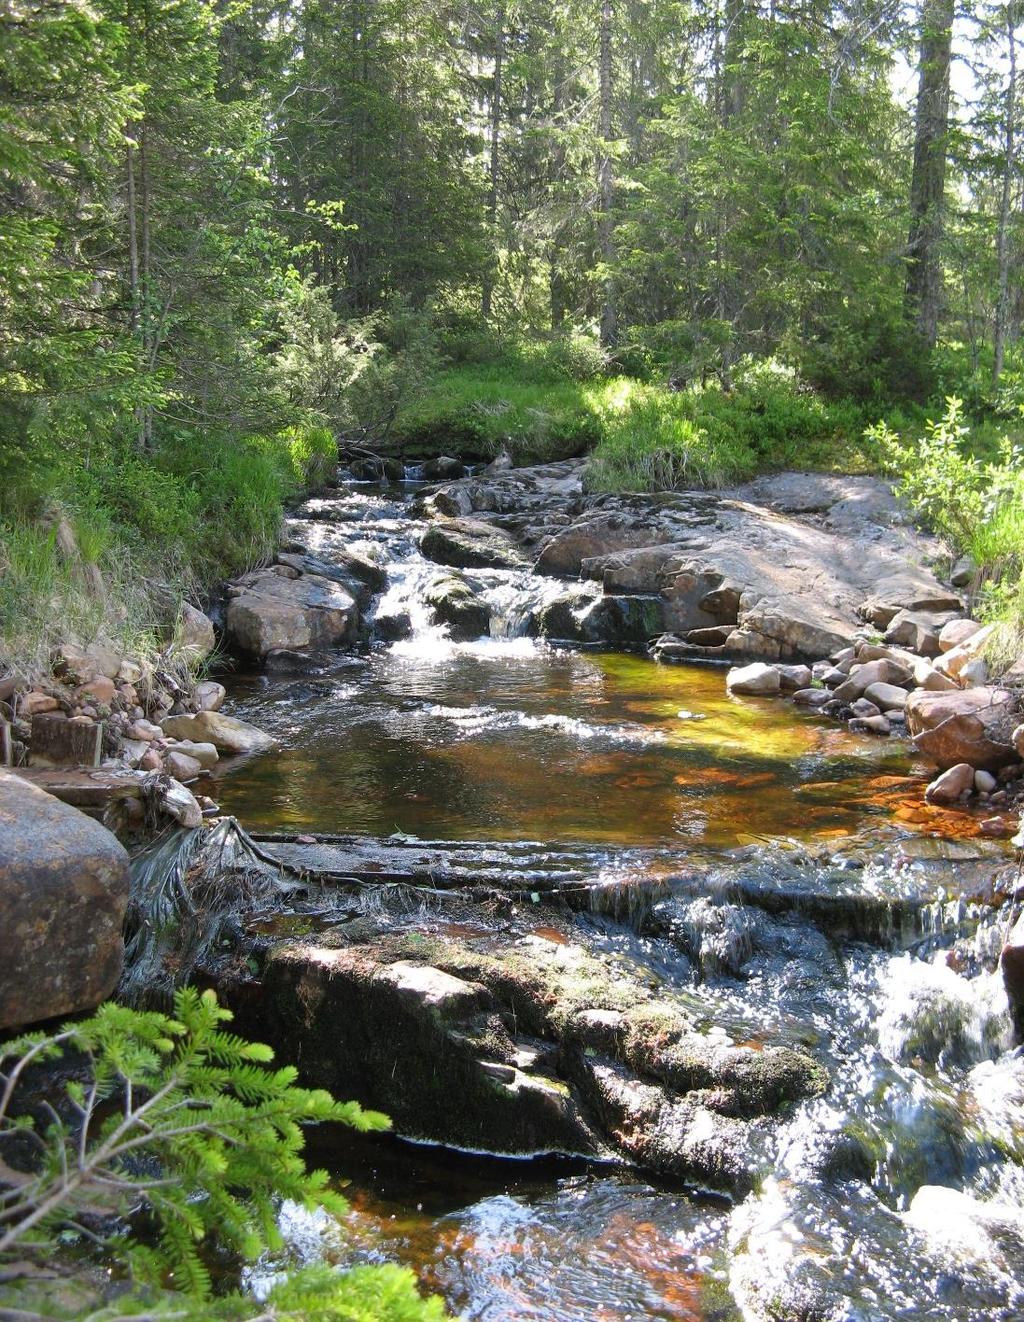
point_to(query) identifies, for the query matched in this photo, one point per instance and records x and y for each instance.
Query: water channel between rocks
(611, 760)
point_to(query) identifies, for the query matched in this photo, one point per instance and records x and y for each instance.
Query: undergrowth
(168, 1155)
(643, 435)
(977, 504)
(110, 549)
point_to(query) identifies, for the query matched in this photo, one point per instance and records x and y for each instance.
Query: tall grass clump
(112, 548)
(649, 443)
(559, 400)
(977, 505)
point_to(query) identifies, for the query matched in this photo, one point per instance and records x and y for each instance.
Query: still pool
(513, 739)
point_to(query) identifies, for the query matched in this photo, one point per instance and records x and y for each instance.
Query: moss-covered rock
(455, 603)
(519, 1043)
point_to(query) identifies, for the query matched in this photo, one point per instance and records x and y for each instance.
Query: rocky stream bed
(685, 1001)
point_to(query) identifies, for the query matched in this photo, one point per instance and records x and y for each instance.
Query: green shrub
(178, 1116)
(978, 506)
(578, 357)
(939, 479)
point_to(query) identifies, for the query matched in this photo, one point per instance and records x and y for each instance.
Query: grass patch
(478, 411)
(110, 551)
(643, 436)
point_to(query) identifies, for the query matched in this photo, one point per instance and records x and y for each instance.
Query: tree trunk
(928, 184)
(133, 242)
(606, 182)
(148, 352)
(495, 161)
(1003, 234)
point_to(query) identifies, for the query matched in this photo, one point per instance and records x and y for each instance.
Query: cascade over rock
(787, 566)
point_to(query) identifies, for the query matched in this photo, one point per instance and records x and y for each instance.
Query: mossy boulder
(455, 604)
(518, 1043)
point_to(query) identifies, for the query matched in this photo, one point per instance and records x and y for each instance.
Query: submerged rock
(804, 1250)
(63, 893)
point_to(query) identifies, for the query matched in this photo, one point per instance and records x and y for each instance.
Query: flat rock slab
(63, 894)
(790, 566)
(90, 790)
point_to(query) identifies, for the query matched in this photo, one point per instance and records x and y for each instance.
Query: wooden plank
(6, 744)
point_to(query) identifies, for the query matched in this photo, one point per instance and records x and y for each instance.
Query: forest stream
(787, 882)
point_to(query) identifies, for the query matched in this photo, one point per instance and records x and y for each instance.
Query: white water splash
(473, 720)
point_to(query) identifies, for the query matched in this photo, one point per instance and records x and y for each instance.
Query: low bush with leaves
(976, 504)
(175, 1117)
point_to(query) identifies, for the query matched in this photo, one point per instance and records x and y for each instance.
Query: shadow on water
(544, 1239)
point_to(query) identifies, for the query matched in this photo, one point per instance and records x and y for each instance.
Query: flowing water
(871, 1210)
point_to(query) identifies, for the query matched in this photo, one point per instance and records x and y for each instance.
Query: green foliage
(978, 505)
(644, 436)
(364, 1294)
(938, 478)
(177, 1115)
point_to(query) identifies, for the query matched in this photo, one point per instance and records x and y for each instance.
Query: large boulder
(970, 725)
(756, 679)
(919, 630)
(443, 468)
(226, 733)
(194, 632)
(531, 1045)
(428, 1041)
(957, 632)
(469, 544)
(618, 621)
(63, 894)
(956, 661)
(377, 468)
(952, 784)
(360, 576)
(563, 555)
(271, 612)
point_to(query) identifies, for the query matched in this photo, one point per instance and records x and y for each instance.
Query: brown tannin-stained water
(509, 739)
(517, 740)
